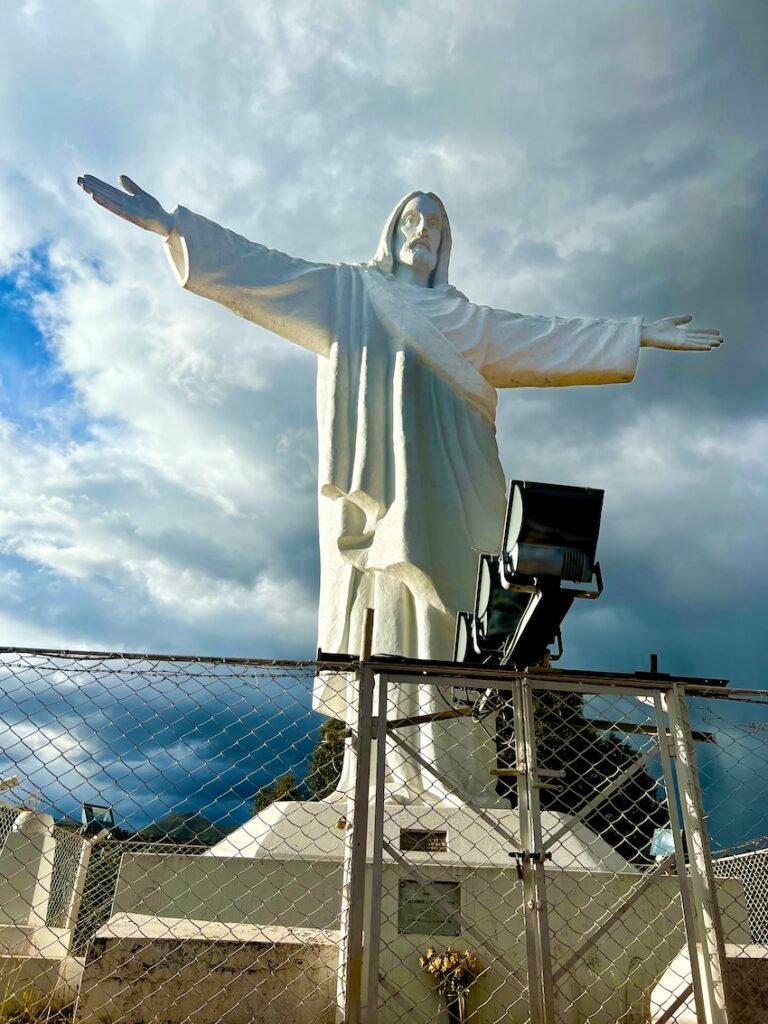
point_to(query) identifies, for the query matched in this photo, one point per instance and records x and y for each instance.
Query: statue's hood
(384, 258)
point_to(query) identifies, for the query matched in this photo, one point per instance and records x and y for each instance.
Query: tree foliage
(591, 759)
(327, 759)
(285, 787)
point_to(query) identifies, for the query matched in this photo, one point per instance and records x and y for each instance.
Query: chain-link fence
(751, 868)
(580, 887)
(136, 879)
(183, 844)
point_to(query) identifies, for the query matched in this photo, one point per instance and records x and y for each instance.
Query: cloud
(158, 481)
(150, 737)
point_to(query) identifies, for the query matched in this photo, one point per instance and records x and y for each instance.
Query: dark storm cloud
(604, 159)
(152, 738)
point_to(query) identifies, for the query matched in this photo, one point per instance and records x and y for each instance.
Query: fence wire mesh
(180, 847)
(134, 884)
(573, 875)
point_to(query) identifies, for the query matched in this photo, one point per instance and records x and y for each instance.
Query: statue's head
(417, 234)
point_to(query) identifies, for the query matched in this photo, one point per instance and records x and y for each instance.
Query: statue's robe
(410, 483)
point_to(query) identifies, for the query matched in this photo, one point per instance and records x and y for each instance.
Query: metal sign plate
(429, 908)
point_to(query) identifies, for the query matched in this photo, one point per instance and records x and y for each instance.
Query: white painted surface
(746, 986)
(289, 830)
(26, 863)
(22, 940)
(411, 486)
(617, 973)
(39, 982)
(292, 893)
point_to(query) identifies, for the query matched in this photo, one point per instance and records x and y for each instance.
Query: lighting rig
(547, 560)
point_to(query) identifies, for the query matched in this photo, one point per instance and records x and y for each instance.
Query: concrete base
(613, 980)
(143, 968)
(746, 986)
(18, 940)
(27, 980)
(475, 837)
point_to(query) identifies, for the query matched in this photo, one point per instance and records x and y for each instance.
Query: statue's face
(417, 236)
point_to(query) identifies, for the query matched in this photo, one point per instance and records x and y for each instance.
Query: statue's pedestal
(284, 869)
(314, 830)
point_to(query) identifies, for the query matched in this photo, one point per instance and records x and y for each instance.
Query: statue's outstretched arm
(671, 333)
(132, 204)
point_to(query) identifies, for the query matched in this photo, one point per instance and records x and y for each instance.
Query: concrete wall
(142, 968)
(26, 864)
(613, 979)
(236, 889)
(32, 980)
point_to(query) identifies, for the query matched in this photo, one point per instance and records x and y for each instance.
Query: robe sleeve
(544, 351)
(291, 297)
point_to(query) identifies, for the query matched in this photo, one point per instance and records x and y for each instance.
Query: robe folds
(410, 483)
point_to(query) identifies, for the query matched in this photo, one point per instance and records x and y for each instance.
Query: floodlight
(97, 814)
(500, 613)
(463, 645)
(509, 626)
(524, 593)
(550, 532)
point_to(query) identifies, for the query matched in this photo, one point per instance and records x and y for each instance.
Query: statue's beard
(417, 257)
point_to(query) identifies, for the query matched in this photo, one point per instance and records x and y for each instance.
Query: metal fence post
(709, 934)
(349, 1003)
(540, 981)
(673, 807)
(373, 929)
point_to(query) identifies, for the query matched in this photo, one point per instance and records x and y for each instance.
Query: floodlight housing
(524, 593)
(500, 613)
(464, 651)
(98, 814)
(550, 532)
(510, 626)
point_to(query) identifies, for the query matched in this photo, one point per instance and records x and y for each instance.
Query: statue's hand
(671, 333)
(134, 204)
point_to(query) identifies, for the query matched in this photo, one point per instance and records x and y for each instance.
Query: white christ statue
(410, 483)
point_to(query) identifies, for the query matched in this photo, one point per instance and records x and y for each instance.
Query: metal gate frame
(363, 866)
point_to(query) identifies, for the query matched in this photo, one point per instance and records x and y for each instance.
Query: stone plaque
(429, 908)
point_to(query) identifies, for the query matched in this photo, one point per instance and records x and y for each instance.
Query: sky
(158, 455)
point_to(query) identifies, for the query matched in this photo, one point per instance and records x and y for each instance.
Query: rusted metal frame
(356, 847)
(494, 678)
(637, 728)
(605, 689)
(711, 944)
(603, 795)
(437, 716)
(373, 930)
(602, 724)
(500, 678)
(534, 879)
(686, 897)
(198, 659)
